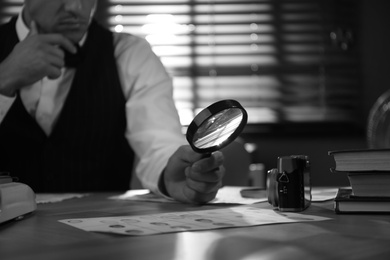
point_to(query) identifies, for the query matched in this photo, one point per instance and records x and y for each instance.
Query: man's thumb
(33, 28)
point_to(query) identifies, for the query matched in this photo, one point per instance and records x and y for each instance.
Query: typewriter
(16, 199)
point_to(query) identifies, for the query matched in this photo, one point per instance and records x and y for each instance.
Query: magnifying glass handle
(206, 155)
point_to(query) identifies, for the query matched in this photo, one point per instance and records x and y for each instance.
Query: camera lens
(272, 187)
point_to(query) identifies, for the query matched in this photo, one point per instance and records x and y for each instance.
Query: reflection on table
(41, 236)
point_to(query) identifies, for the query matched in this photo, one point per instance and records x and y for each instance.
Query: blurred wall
(375, 50)
(374, 47)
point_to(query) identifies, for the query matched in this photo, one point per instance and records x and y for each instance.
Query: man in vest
(82, 107)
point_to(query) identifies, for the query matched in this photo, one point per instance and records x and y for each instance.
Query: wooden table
(40, 236)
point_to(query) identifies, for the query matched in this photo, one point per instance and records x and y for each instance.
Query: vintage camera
(288, 186)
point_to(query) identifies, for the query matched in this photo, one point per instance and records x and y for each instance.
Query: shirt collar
(22, 30)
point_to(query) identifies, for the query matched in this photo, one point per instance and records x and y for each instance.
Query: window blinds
(9, 8)
(285, 61)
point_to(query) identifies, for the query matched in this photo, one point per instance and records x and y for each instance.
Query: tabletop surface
(41, 236)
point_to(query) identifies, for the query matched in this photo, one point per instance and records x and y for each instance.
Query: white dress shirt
(153, 126)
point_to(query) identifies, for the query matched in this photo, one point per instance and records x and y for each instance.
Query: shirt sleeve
(153, 125)
(5, 105)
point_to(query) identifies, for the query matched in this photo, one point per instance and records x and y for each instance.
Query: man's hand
(192, 178)
(36, 57)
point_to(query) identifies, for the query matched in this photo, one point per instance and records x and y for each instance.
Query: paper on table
(240, 216)
(225, 195)
(42, 198)
(320, 194)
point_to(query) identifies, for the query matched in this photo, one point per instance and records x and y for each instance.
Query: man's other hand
(191, 177)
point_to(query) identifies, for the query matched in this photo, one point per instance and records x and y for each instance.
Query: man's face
(70, 18)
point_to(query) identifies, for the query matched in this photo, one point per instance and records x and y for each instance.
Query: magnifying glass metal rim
(210, 111)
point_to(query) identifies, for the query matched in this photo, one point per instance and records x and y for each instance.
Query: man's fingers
(56, 52)
(209, 163)
(204, 187)
(53, 39)
(192, 196)
(188, 155)
(53, 72)
(214, 175)
(60, 41)
(56, 61)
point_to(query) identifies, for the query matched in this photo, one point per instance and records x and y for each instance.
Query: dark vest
(87, 150)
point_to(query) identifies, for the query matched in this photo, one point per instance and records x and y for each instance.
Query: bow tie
(73, 60)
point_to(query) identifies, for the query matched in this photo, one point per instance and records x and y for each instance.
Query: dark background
(373, 41)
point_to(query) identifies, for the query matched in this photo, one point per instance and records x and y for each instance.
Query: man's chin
(74, 37)
(73, 31)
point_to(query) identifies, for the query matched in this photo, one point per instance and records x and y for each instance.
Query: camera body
(288, 185)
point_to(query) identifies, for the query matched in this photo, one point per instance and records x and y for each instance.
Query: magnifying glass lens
(216, 126)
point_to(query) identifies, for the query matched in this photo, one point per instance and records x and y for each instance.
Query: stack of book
(368, 171)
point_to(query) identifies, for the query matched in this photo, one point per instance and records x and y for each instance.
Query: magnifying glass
(216, 126)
